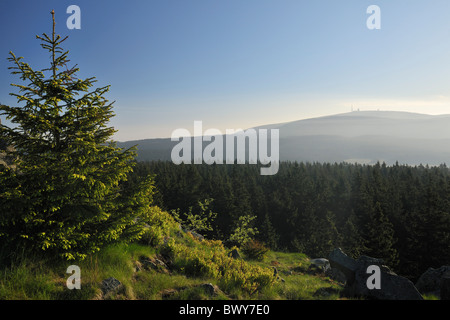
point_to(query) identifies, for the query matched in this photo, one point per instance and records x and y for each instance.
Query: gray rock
(168, 293)
(154, 264)
(160, 263)
(393, 287)
(318, 266)
(339, 260)
(320, 263)
(197, 236)
(147, 263)
(336, 275)
(445, 288)
(110, 285)
(275, 271)
(430, 281)
(234, 254)
(287, 272)
(210, 289)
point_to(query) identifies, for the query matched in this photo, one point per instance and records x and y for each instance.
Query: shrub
(210, 259)
(243, 230)
(197, 221)
(254, 250)
(159, 226)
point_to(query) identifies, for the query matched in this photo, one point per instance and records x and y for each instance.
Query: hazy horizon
(189, 126)
(241, 64)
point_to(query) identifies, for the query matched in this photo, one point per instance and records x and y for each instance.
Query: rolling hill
(360, 136)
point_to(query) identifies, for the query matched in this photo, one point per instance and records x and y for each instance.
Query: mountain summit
(358, 136)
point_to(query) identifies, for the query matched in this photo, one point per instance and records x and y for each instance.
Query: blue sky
(242, 63)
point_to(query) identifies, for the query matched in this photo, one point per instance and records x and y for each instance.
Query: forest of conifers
(399, 213)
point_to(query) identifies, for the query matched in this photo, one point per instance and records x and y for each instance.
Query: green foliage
(210, 259)
(196, 222)
(33, 278)
(68, 194)
(159, 226)
(243, 231)
(380, 237)
(254, 250)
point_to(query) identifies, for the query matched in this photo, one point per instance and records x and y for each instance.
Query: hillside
(361, 136)
(169, 264)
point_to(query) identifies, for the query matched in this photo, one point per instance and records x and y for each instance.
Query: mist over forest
(357, 137)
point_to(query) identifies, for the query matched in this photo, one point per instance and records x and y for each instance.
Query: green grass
(430, 297)
(297, 284)
(27, 281)
(193, 263)
(47, 281)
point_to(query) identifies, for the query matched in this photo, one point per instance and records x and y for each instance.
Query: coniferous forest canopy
(399, 213)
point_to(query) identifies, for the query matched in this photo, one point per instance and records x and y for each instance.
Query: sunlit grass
(193, 263)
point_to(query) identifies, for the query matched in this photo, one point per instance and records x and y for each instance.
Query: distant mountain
(360, 136)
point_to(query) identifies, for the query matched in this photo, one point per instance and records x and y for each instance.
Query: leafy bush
(254, 250)
(159, 225)
(243, 230)
(210, 259)
(196, 221)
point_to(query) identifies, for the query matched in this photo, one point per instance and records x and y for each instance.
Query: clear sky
(242, 63)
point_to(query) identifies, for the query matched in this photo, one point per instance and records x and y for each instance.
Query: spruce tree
(352, 242)
(269, 234)
(67, 195)
(380, 238)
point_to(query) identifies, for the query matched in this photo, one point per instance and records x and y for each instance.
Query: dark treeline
(398, 213)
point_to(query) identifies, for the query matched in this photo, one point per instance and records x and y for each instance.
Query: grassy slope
(191, 263)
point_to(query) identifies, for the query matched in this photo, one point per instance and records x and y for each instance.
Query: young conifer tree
(67, 193)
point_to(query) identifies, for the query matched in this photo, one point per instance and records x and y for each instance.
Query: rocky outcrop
(445, 288)
(110, 285)
(357, 273)
(211, 290)
(339, 260)
(320, 263)
(336, 275)
(234, 254)
(430, 282)
(150, 263)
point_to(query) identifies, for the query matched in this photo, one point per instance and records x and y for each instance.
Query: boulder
(287, 272)
(234, 254)
(318, 266)
(197, 235)
(153, 263)
(275, 271)
(208, 288)
(276, 274)
(336, 275)
(430, 281)
(393, 286)
(110, 285)
(320, 263)
(211, 289)
(168, 293)
(445, 288)
(339, 260)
